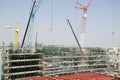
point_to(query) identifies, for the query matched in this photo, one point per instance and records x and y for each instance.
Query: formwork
(21, 65)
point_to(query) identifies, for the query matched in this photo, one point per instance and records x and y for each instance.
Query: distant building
(114, 57)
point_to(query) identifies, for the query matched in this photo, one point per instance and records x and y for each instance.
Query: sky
(102, 19)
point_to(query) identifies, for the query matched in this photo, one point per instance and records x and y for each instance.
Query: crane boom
(75, 36)
(28, 25)
(28, 30)
(37, 5)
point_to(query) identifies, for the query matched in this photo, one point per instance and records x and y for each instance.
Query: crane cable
(113, 15)
(51, 15)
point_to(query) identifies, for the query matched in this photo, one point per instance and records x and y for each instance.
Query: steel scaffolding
(17, 65)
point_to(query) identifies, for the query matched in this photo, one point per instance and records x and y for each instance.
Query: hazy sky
(103, 18)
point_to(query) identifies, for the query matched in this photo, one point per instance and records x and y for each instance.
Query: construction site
(23, 61)
(61, 64)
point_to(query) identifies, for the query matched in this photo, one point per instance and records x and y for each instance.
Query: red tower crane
(85, 8)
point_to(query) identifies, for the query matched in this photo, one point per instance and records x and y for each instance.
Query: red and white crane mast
(84, 18)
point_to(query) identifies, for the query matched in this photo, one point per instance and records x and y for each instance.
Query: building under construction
(19, 65)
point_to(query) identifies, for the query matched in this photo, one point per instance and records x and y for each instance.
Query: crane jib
(35, 8)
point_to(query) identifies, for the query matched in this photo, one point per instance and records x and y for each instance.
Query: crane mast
(16, 36)
(84, 18)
